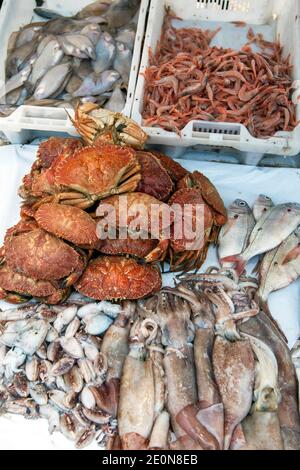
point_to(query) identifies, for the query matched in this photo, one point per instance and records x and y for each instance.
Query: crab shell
(138, 248)
(97, 126)
(138, 205)
(47, 154)
(209, 193)
(174, 169)
(17, 288)
(182, 254)
(49, 150)
(68, 222)
(116, 278)
(40, 255)
(155, 179)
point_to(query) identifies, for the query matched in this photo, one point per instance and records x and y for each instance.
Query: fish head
(239, 207)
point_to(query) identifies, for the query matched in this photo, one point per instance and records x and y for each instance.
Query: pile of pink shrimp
(189, 80)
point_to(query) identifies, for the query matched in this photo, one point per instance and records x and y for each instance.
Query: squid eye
(267, 198)
(242, 203)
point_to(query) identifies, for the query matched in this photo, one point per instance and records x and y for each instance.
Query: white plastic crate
(274, 19)
(28, 121)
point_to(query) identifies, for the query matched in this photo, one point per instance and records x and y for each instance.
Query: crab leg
(137, 391)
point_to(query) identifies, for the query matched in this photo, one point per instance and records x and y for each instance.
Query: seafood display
(195, 367)
(188, 79)
(61, 241)
(269, 230)
(65, 60)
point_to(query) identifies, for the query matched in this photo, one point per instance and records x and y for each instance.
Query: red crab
(68, 222)
(33, 252)
(18, 288)
(48, 152)
(174, 169)
(155, 179)
(116, 278)
(134, 212)
(88, 175)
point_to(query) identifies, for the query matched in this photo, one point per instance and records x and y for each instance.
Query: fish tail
(237, 260)
(264, 306)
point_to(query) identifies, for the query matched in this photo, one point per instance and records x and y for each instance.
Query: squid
(136, 413)
(263, 328)
(114, 349)
(178, 331)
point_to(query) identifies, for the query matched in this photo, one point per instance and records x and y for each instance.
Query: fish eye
(242, 203)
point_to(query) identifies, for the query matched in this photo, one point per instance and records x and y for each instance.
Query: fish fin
(238, 261)
(257, 267)
(292, 255)
(264, 306)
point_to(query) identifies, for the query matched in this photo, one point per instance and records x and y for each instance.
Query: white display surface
(232, 181)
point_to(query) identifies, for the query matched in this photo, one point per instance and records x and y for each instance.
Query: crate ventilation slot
(210, 129)
(229, 5)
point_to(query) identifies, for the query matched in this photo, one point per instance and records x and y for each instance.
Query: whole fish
(269, 232)
(16, 81)
(261, 205)
(96, 84)
(19, 57)
(51, 56)
(116, 102)
(122, 62)
(105, 53)
(234, 235)
(121, 12)
(279, 267)
(26, 35)
(78, 45)
(52, 81)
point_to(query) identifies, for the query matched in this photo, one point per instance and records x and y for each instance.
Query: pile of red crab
(55, 246)
(190, 80)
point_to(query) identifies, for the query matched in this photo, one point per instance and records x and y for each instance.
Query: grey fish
(121, 12)
(73, 84)
(46, 39)
(234, 235)
(19, 57)
(92, 31)
(95, 84)
(48, 14)
(52, 81)
(51, 56)
(126, 36)
(26, 35)
(117, 101)
(269, 232)
(122, 62)
(261, 205)
(77, 45)
(16, 81)
(279, 267)
(105, 53)
(83, 69)
(97, 8)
